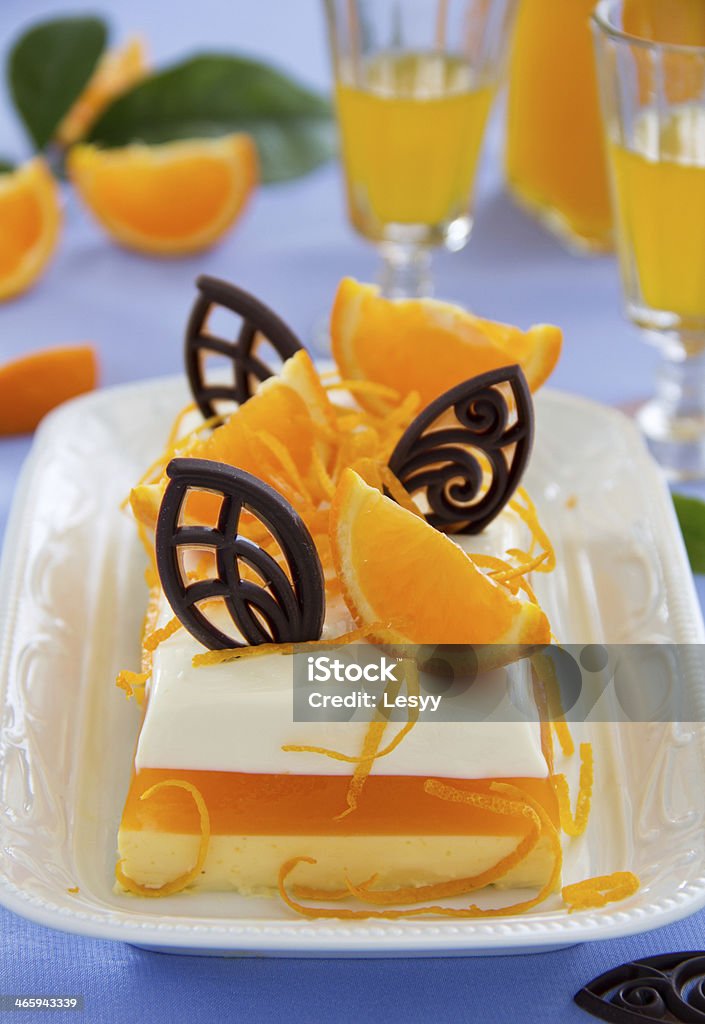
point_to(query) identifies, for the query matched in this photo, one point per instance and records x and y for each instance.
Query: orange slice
(30, 217)
(168, 199)
(116, 71)
(272, 435)
(397, 569)
(33, 385)
(428, 346)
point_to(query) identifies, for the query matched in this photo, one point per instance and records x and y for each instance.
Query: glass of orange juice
(415, 80)
(653, 98)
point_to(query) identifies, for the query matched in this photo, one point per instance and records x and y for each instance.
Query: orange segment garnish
(30, 217)
(33, 385)
(428, 346)
(397, 569)
(168, 199)
(276, 435)
(116, 71)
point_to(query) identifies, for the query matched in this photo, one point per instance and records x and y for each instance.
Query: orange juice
(412, 127)
(555, 151)
(660, 197)
(675, 21)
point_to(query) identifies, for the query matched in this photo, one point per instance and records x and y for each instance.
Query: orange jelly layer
(258, 804)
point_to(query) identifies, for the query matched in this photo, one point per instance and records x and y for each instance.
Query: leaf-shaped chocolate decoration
(284, 607)
(259, 324)
(666, 987)
(468, 449)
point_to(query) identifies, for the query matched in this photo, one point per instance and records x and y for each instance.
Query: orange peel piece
(473, 911)
(494, 803)
(596, 892)
(133, 684)
(576, 825)
(180, 883)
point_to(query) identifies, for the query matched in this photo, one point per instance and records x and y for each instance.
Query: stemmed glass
(653, 100)
(415, 80)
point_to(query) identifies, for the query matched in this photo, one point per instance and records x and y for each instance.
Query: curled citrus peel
(515, 795)
(236, 653)
(576, 825)
(133, 683)
(597, 892)
(180, 883)
(373, 737)
(152, 641)
(375, 732)
(492, 802)
(564, 736)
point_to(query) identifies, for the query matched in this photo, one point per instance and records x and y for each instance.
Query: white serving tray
(71, 607)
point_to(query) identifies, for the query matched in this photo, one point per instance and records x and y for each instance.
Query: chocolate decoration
(274, 611)
(669, 987)
(441, 459)
(259, 323)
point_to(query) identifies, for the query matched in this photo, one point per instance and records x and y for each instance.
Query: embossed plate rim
(55, 908)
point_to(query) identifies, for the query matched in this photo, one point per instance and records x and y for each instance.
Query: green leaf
(49, 67)
(215, 94)
(691, 516)
(6, 166)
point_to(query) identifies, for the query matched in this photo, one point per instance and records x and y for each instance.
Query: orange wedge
(398, 570)
(272, 435)
(33, 385)
(428, 346)
(116, 71)
(30, 217)
(168, 199)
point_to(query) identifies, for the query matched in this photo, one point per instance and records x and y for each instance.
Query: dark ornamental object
(259, 324)
(490, 416)
(282, 608)
(669, 987)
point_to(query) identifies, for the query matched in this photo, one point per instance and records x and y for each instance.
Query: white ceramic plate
(72, 602)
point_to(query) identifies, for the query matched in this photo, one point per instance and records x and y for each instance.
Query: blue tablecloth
(292, 248)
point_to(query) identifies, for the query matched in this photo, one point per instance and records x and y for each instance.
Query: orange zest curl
(152, 641)
(180, 883)
(575, 826)
(375, 732)
(308, 892)
(460, 886)
(473, 911)
(373, 737)
(564, 736)
(524, 507)
(259, 650)
(133, 683)
(599, 891)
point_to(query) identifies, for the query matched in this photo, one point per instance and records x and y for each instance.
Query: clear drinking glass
(414, 82)
(653, 100)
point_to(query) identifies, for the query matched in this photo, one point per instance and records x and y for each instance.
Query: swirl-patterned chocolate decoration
(468, 449)
(669, 987)
(284, 607)
(258, 324)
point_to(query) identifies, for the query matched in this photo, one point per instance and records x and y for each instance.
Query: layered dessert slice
(450, 800)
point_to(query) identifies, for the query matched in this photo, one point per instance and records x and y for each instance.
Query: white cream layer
(237, 716)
